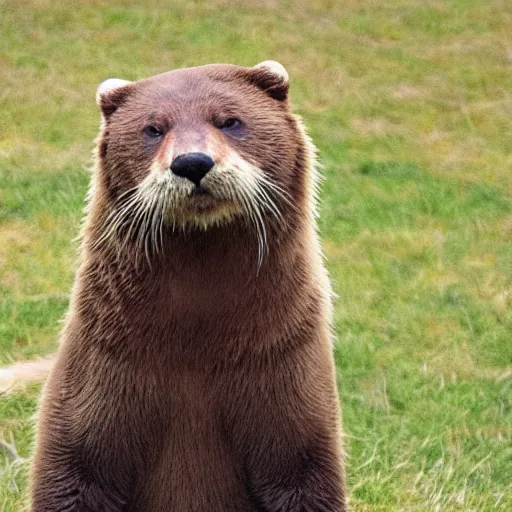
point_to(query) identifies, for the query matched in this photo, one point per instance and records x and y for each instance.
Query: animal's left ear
(271, 77)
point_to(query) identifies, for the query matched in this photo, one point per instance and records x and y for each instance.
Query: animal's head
(199, 147)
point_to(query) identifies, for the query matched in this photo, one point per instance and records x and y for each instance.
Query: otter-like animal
(195, 371)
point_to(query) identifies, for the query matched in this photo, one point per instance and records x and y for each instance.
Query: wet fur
(196, 374)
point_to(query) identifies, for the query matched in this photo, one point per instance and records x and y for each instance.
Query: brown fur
(190, 377)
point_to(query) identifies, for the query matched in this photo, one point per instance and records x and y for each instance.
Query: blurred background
(409, 103)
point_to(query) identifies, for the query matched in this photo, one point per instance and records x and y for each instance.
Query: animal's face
(197, 147)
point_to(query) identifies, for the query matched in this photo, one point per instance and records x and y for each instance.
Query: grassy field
(410, 105)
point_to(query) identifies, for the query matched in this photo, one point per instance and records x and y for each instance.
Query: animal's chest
(163, 432)
(194, 467)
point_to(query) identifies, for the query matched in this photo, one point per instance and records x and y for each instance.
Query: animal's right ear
(111, 94)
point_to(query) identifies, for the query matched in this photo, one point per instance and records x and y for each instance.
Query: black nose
(193, 166)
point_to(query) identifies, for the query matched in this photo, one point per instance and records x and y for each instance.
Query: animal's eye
(228, 124)
(152, 131)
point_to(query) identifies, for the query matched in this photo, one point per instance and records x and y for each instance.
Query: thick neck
(203, 290)
(211, 268)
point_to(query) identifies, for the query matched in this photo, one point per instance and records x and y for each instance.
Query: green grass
(409, 103)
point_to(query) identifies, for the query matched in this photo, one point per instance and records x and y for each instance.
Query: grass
(410, 105)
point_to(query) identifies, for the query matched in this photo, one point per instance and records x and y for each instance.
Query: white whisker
(142, 214)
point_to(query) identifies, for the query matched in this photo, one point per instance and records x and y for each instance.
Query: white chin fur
(234, 182)
(163, 200)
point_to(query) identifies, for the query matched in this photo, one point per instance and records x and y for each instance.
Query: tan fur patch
(23, 373)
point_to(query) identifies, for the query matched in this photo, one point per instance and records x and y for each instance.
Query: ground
(410, 105)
